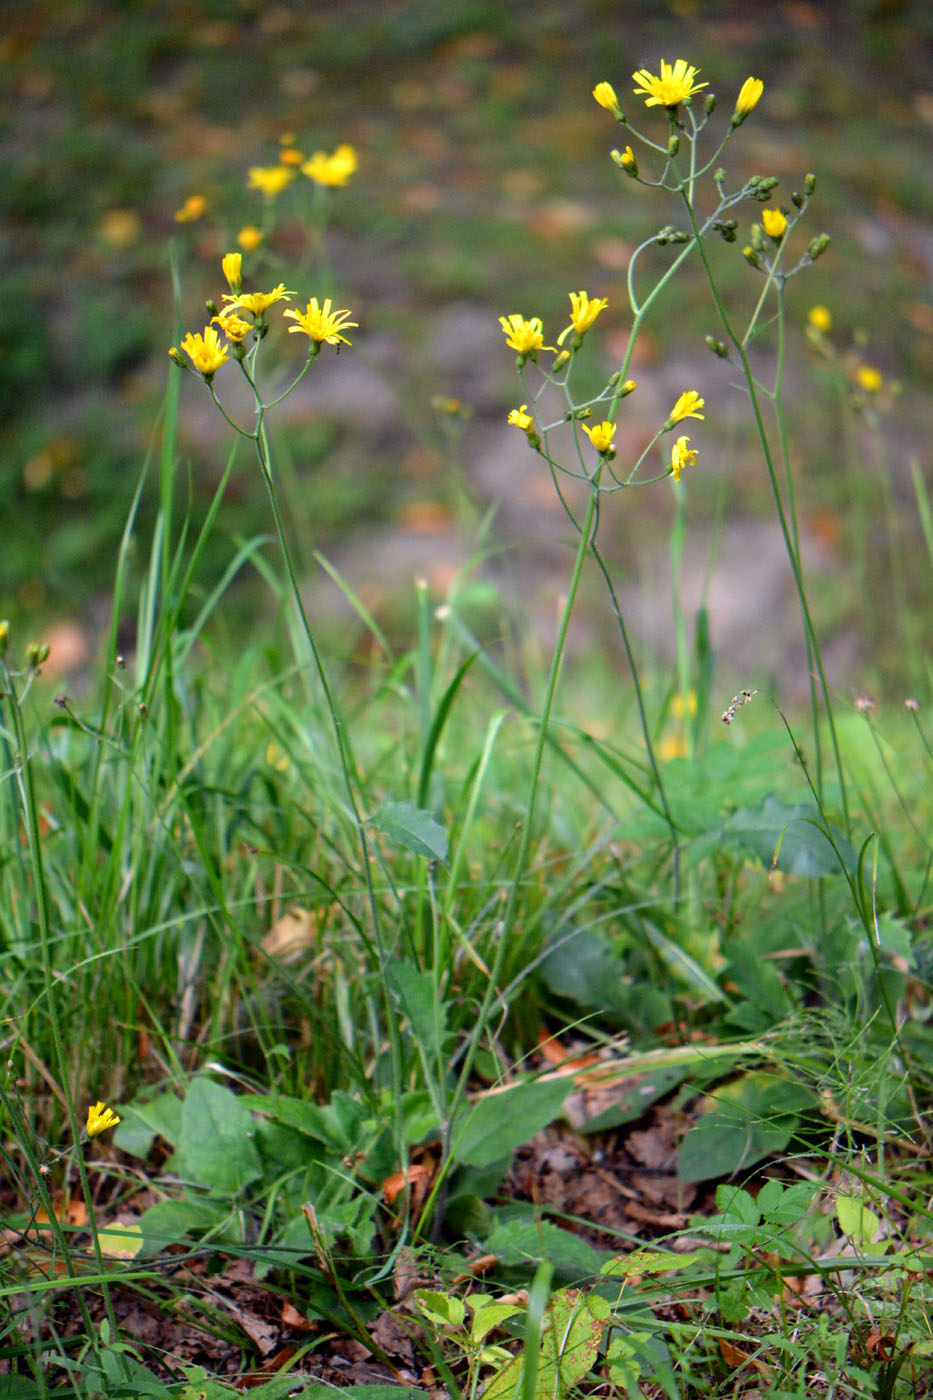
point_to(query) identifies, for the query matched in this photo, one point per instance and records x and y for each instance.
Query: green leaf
(173, 1222)
(142, 1122)
(216, 1146)
(412, 827)
(856, 1220)
(788, 835)
(416, 994)
(648, 1261)
(520, 1241)
(573, 1330)
(503, 1121)
(751, 1118)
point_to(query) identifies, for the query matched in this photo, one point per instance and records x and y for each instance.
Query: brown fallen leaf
(735, 1358)
(290, 935)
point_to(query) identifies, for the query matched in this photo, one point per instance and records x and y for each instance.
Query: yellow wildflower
(257, 302)
(583, 313)
(232, 325)
(321, 324)
(249, 237)
(774, 223)
(600, 435)
(290, 156)
(271, 179)
(232, 265)
(194, 206)
(869, 378)
(100, 1118)
(747, 100)
(682, 456)
(821, 318)
(518, 418)
(205, 352)
(605, 95)
(525, 337)
(674, 85)
(334, 170)
(627, 161)
(687, 406)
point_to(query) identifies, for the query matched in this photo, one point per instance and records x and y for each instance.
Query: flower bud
(818, 246)
(751, 256)
(718, 347)
(796, 199)
(710, 103)
(212, 308)
(759, 242)
(177, 357)
(809, 184)
(4, 636)
(626, 161)
(673, 146)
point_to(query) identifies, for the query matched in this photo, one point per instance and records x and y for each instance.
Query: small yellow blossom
(321, 324)
(271, 179)
(628, 162)
(100, 1118)
(821, 318)
(682, 456)
(869, 378)
(687, 406)
(249, 237)
(525, 337)
(747, 100)
(205, 352)
(675, 746)
(600, 435)
(605, 95)
(774, 223)
(289, 156)
(257, 302)
(674, 86)
(679, 708)
(518, 418)
(232, 325)
(583, 313)
(232, 265)
(334, 170)
(194, 206)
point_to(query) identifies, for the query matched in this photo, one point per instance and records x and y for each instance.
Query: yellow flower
(100, 1118)
(290, 156)
(205, 352)
(332, 170)
(525, 337)
(600, 435)
(321, 324)
(774, 223)
(518, 418)
(747, 100)
(193, 207)
(821, 318)
(628, 162)
(682, 456)
(675, 746)
(583, 313)
(256, 302)
(271, 179)
(605, 95)
(232, 265)
(687, 406)
(232, 325)
(869, 378)
(674, 85)
(249, 237)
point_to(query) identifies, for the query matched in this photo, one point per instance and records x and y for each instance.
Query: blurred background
(484, 187)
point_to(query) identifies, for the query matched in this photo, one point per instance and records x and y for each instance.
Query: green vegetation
(472, 1021)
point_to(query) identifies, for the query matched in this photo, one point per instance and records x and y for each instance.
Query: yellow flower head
(600, 435)
(747, 100)
(774, 223)
(869, 378)
(249, 237)
(232, 325)
(628, 162)
(256, 302)
(322, 325)
(583, 313)
(194, 206)
(525, 337)
(289, 156)
(674, 85)
(682, 456)
(205, 352)
(334, 170)
(271, 179)
(100, 1118)
(605, 95)
(232, 265)
(821, 318)
(687, 406)
(518, 418)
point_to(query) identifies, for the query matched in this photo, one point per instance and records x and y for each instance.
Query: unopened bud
(176, 356)
(796, 199)
(673, 146)
(627, 388)
(4, 637)
(719, 175)
(809, 184)
(36, 654)
(759, 242)
(710, 104)
(212, 308)
(718, 347)
(626, 161)
(818, 246)
(751, 256)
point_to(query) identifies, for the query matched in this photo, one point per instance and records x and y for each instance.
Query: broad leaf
(412, 827)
